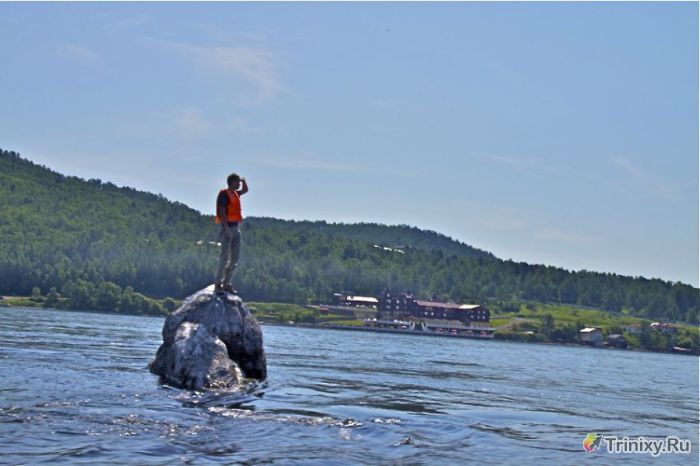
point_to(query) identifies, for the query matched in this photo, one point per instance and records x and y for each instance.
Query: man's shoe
(219, 288)
(229, 288)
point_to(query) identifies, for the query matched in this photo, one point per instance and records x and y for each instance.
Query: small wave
(246, 393)
(387, 421)
(286, 416)
(503, 431)
(454, 363)
(215, 399)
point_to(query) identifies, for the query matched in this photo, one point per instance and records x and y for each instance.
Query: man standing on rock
(228, 214)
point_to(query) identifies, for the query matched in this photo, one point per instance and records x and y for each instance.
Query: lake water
(74, 388)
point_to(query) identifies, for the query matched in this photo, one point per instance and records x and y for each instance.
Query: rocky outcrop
(210, 342)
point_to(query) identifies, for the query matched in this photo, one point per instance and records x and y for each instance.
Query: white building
(590, 336)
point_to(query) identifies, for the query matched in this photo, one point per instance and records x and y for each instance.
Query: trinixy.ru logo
(592, 442)
(638, 445)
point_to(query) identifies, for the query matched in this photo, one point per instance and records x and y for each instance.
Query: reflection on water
(74, 388)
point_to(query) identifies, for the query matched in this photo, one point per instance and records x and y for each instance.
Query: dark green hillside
(401, 236)
(97, 244)
(56, 229)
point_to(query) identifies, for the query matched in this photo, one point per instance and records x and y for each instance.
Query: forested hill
(97, 245)
(395, 237)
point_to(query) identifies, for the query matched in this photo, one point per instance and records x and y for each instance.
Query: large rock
(210, 342)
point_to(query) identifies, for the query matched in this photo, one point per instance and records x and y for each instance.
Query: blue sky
(557, 133)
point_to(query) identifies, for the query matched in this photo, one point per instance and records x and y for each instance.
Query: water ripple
(76, 390)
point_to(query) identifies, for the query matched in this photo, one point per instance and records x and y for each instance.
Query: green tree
(547, 325)
(169, 304)
(52, 299)
(107, 296)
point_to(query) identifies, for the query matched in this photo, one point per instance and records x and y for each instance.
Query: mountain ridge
(62, 229)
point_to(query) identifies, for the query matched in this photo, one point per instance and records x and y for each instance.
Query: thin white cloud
(650, 183)
(487, 215)
(308, 161)
(78, 53)
(629, 168)
(512, 162)
(191, 122)
(242, 126)
(521, 165)
(188, 122)
(228, 35)
(115, 22)
(507, 219)
(129, 22)
(255, 66)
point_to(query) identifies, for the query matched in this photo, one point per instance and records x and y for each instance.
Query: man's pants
(230, 251)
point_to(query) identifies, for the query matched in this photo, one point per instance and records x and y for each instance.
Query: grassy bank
(134, 304)
(294, 313)
(561, 323)
(531, 322)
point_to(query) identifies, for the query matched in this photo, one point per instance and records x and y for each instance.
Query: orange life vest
(233, 208)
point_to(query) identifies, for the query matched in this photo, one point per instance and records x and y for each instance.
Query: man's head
(233, 180)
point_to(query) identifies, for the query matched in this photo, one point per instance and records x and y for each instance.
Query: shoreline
(359, 328)
(85, 311)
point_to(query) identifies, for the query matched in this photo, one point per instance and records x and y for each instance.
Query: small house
(590, 336)
(616, 341)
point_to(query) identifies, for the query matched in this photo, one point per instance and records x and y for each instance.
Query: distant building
(394, 249)
(616, 341)
(340, 299)
(634, 329)
(405, 306)
(590, 336)
(664, 327)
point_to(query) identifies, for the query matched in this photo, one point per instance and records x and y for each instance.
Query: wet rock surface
(212, 341)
